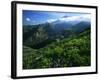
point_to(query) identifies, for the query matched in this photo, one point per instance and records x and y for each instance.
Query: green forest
(69, 51)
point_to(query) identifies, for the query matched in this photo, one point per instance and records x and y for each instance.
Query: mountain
(42, 34)
(67, 22)
(59, 25)
(81, 26)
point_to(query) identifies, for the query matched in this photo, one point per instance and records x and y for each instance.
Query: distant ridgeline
(38, 36)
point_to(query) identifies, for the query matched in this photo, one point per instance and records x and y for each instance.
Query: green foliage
(67, 52)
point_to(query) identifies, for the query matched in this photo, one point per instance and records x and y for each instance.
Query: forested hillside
(67, 49)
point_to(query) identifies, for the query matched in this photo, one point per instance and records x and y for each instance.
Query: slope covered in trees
(71, 51)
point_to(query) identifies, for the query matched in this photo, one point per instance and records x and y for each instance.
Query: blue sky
(37, 17)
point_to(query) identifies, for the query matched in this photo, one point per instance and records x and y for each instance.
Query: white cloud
(28, 19)
(51, 20)
(70, 18)
(88, 16)
(78, 18)
(85, 17)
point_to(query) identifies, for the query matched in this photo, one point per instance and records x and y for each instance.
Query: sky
(31, 17)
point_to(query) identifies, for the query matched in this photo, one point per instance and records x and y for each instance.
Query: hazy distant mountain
(69, 22)
(81, 26)
(57, 29)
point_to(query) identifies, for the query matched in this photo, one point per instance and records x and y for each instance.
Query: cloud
(51, 20)
(28, 19)
(85, 17)
(70, 18)
(76, 18)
